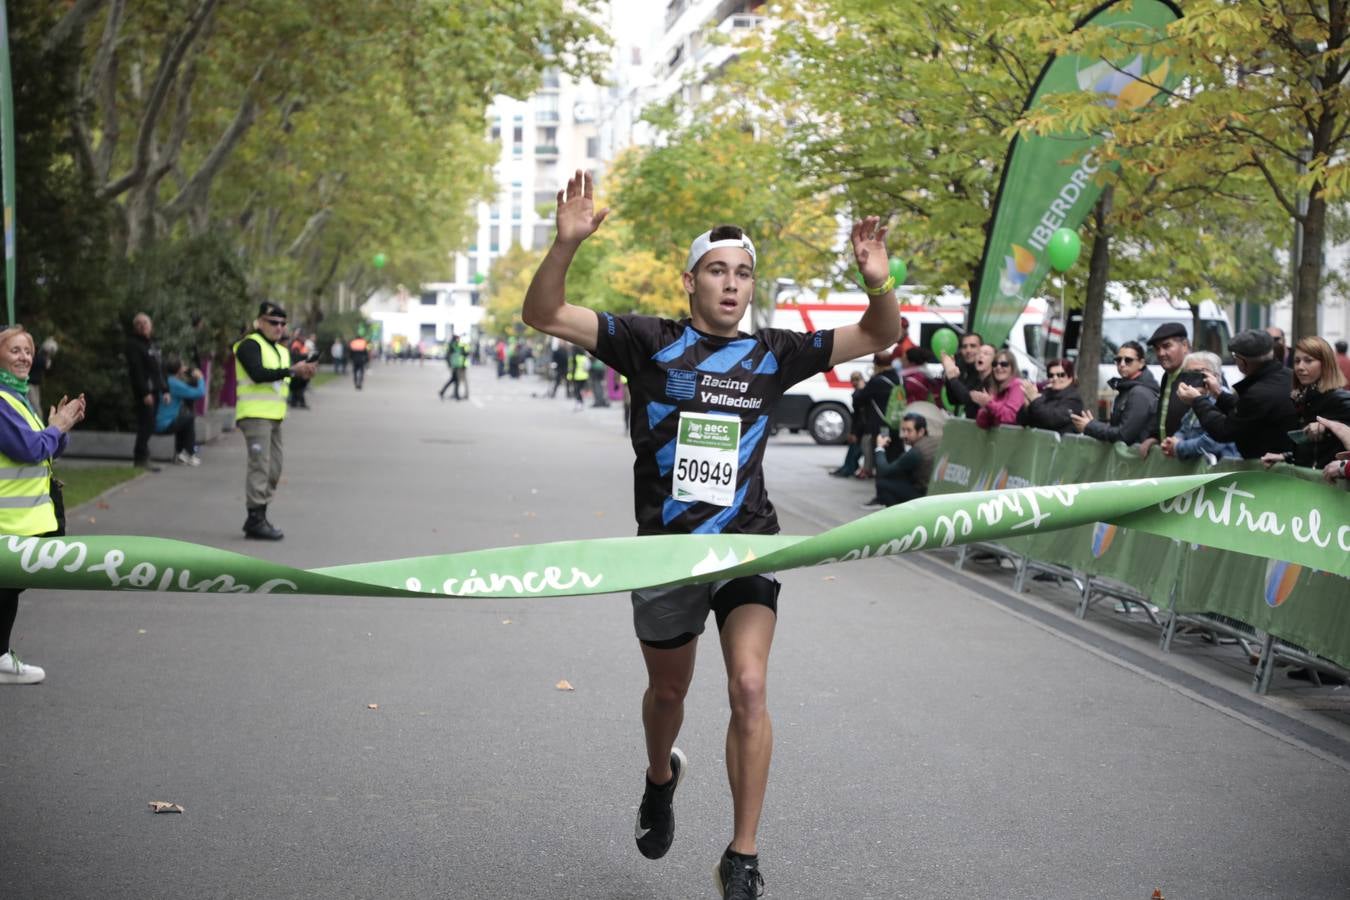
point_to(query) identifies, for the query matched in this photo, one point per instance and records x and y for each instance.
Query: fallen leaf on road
(515, 536)
(159, 806)
(828, 578)
(564, 685)
(101, 505)
(531, 515)
(140, 631)
(372, 706)
(506, 621)
(91, 520)
(600, 514)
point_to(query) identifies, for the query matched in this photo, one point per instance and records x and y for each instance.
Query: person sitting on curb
(905, 477)
(177, 417)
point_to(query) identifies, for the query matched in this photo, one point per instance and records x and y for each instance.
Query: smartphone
(312, 357)
(1298, 437)
(1194, 379)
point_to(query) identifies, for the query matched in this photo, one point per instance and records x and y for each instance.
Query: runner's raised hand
(869, 249)
(577, 218)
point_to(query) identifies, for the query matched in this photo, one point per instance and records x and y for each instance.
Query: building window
(429, 298)
(428, 331)
(473, 298)
(593, 147)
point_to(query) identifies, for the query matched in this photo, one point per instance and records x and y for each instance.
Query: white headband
(704, 242)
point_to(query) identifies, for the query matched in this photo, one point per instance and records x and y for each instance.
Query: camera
(1194, 379)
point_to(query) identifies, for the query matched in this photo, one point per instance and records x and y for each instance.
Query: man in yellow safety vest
(264, 370)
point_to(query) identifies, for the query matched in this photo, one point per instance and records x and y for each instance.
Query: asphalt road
(936, 737)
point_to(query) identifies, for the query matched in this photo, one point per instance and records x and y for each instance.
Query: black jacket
(1134, 413)
(1051, 410)
(1257, 417)
(1311, 403)
(143, 367)
(875, 395)
(958, 392)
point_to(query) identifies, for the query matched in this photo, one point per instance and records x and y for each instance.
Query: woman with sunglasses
(999, 405)
(1319, 391)
(1053, 408)
(1133, 413)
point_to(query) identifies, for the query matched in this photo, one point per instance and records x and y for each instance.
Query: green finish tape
(1259, 513)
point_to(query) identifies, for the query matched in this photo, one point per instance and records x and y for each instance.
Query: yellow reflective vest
(266, 400)
(581, 367)
(25, 487)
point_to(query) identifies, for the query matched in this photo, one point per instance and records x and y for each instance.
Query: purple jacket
(20, 442)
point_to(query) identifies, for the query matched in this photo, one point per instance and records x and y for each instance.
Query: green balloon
(1063, 249)
(379, 260)
(944, 340)
(898, 270)
(478, 278)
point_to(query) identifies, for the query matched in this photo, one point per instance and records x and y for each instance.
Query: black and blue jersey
(671, 368)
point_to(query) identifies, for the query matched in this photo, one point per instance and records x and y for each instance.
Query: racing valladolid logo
(1016, 267)
(1125, 87)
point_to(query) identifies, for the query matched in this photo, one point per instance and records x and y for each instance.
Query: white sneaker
(15, 671)
(194, 460)
(182, 458)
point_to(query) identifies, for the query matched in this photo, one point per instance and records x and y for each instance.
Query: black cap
(1251, 343)
(268, 308)
(1168, 330)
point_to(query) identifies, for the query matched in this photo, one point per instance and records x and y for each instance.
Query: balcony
(546, 115)
(545, 151)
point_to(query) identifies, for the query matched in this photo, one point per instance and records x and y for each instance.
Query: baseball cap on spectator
(1252, 344)
(268, 308)
(1168, 330)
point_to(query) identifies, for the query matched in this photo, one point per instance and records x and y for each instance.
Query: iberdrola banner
(1259, 513)
(1048, 181)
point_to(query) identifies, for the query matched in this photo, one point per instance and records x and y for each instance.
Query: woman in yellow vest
(26, 451)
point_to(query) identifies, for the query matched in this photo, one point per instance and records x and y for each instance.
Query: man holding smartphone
(1260, 413)
(264, 370)
(702, 395)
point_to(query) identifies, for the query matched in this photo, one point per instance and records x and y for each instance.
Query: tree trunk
(1308, 284)
(1090, 333)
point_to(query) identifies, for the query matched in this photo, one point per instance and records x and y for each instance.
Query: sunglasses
(1058, 374)
(275, 321)
(1002, 364)
(1126, 359)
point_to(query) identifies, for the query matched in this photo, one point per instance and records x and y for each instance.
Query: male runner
(702, 394)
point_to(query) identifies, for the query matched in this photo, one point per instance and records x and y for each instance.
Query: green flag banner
(7, 160)
(1258, 513)
(1042, 188)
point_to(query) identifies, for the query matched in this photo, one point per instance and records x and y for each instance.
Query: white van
(823, 404)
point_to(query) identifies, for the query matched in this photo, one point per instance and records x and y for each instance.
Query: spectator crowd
(1291, 406)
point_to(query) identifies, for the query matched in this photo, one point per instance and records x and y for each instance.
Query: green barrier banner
(1043, 188)
(1247, 512)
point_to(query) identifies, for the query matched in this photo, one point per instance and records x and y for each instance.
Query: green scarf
(9, 379)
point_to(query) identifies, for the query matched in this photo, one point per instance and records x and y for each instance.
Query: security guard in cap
(264, 369)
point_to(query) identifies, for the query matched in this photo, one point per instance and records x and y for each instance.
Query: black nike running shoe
(739, 879)
(655, 828)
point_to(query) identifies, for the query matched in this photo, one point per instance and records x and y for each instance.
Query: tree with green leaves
(1262, 103)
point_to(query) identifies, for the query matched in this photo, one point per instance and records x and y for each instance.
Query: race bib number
(707, 455)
